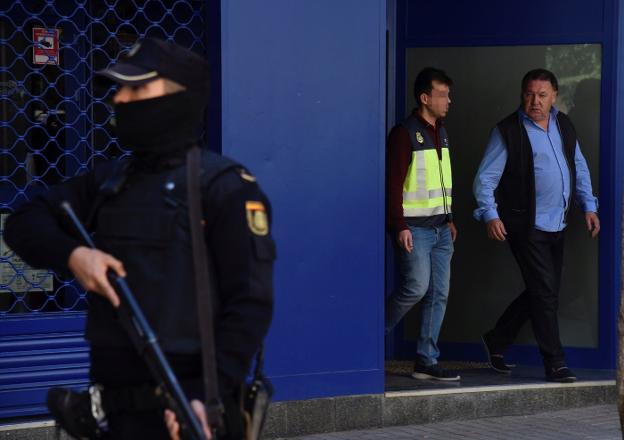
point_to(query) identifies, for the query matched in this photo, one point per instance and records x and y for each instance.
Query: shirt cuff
(398, 225)
(590, 205)
(490, 214)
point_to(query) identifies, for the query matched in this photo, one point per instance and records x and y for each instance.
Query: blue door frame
(492, 23)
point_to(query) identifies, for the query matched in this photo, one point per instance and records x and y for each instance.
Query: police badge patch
(257, 218)
(419, 138)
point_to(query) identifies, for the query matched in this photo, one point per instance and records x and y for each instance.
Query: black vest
(414, 125)
(146, 226)
(515, 194)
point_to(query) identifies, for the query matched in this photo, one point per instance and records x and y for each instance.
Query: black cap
(152, 58)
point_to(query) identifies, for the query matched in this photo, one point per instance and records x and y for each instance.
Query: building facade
(304, 94)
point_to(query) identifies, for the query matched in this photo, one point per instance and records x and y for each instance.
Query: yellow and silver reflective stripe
(423, 212)
(438, 201)
(419, 169)
(421, 172)
(423, 194)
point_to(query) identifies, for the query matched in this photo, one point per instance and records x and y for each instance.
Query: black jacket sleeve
(39, 232)
(243, 262)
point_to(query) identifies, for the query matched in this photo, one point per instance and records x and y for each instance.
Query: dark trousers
(539, 255)
(137, 425)
(117, 368)
(150, 425)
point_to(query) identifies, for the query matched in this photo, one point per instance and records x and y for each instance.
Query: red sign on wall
(45, 46)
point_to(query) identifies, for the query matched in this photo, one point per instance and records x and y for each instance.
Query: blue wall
(303, 96)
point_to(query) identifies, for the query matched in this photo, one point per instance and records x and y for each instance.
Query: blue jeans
(424, 277)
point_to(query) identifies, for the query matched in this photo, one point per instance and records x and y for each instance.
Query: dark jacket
(146, 227)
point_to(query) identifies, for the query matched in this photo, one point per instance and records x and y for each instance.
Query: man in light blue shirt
(534, 163)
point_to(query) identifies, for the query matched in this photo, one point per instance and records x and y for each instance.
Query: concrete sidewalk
(593, 422)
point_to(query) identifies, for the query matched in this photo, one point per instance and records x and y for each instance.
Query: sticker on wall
(45, 46)
(16, 275)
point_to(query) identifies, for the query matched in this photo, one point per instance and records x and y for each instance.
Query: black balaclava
(162, 128)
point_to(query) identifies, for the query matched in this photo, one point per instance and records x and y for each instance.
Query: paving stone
(547, 399)
(405, 411)
(358, 412)
(585, 396)
(452, 407)
(33, 434)
(498, 403)
(275, 424)
(594, 422)
(611, 395)
(309, 416)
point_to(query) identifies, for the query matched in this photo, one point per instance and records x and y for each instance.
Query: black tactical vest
(515, 194)
(414, 125)
(146, 226)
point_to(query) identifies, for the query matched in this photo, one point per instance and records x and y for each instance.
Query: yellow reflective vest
(428, 185)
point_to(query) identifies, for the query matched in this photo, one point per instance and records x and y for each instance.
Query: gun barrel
(146, 343)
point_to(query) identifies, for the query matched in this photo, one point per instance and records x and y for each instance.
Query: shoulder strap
(213, 405)
(412, 126)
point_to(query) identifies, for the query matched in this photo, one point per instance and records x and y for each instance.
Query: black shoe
(496, 361)
(560, 374)
(435, 372)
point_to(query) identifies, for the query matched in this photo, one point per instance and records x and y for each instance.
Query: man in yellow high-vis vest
(420, 218)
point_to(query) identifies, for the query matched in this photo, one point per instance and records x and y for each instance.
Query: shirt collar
(439, 122)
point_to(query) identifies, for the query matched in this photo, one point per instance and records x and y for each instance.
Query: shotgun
(145, 342)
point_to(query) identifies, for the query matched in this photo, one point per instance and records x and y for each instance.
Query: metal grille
(55, 120)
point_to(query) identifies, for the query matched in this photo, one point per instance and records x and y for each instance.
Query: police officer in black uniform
(137, 210)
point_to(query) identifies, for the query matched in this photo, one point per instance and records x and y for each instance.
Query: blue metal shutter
(55, 124)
